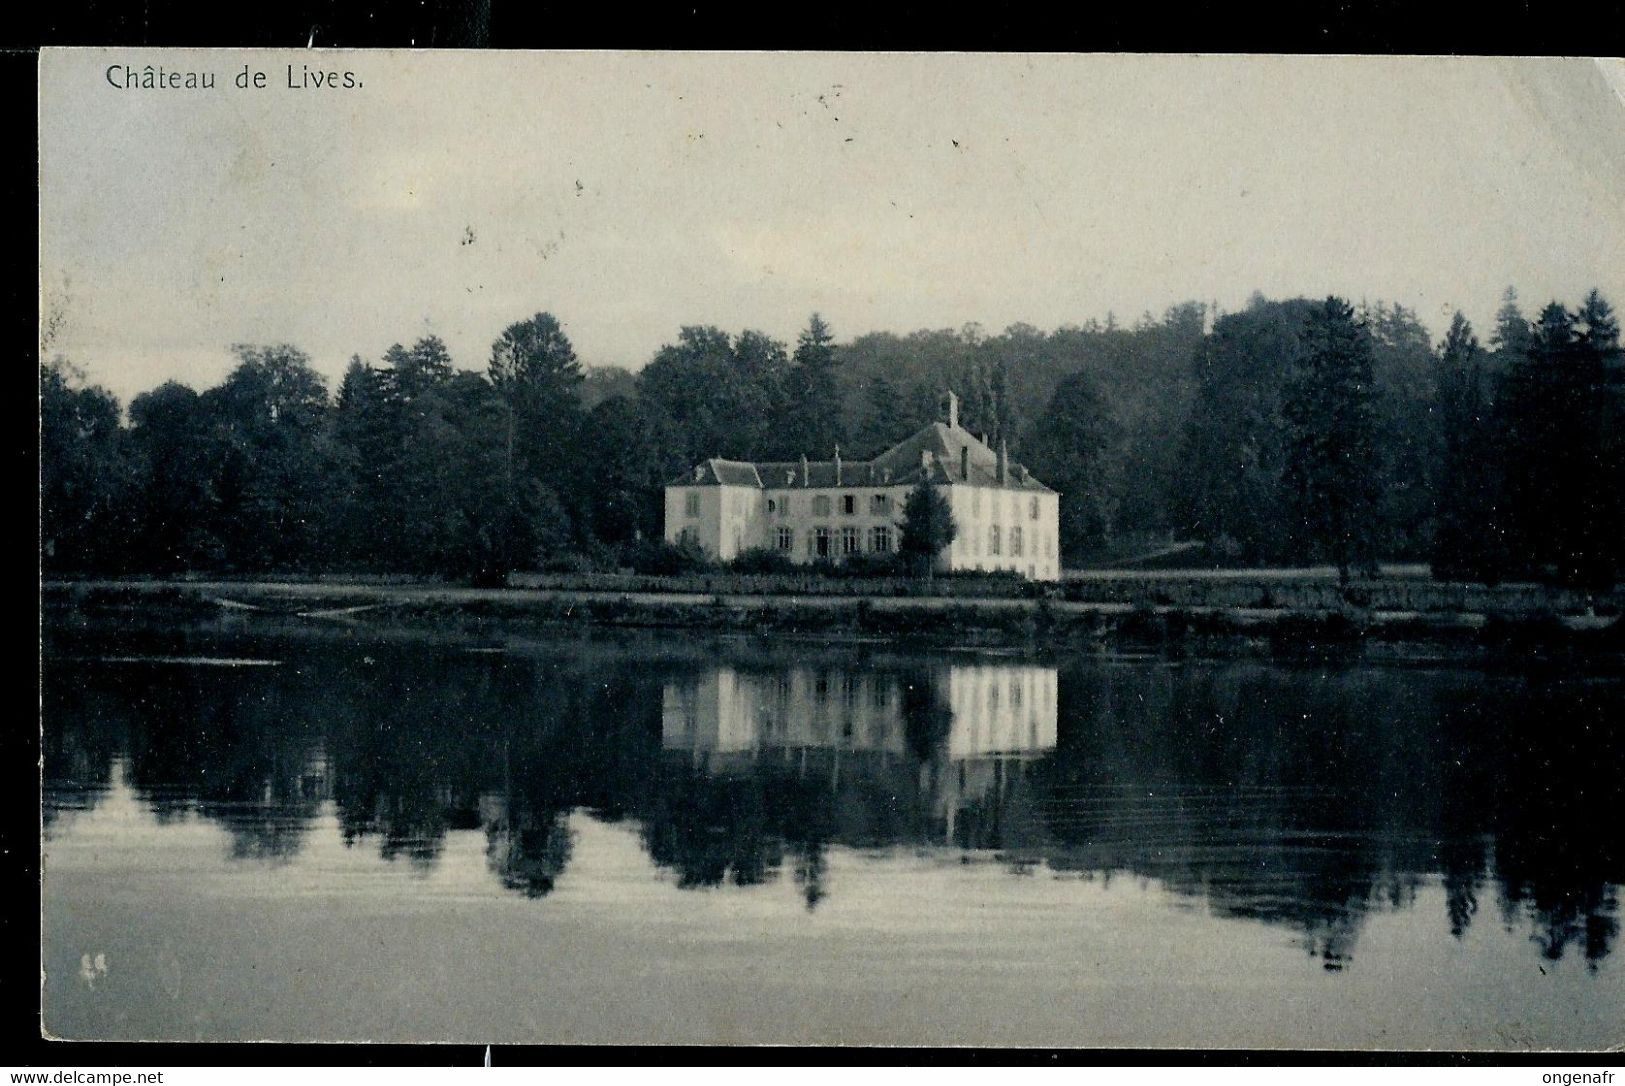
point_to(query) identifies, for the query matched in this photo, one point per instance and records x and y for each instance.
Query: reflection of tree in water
(527, 840)
(84, 733)
(1303, 799)
(1307, 801)
(586, 738)
(528, 851)
(1552, 803)
(711, 829)
(232, 745)
(406, 754)
(927, 716)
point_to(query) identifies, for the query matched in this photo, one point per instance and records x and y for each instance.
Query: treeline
(1291, 431)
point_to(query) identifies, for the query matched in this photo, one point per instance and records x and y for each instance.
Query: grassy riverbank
(1164, 612)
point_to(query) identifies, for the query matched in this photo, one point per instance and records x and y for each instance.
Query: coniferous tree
(1466, 533)
(1553, 415)
(927, 528)
(369, 425)
(1605, 361)
(1331, 468)
(1512, 335)
(1405, 369)
(1558, 411)
(812, 419)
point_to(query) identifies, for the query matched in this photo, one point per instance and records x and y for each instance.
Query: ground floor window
(688, 537)
(818, 543)
(880, 540)
(786, 540)
(993, 540)
(849, 541)
(1015, 541)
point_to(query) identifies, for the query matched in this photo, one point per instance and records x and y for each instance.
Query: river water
(254, 830)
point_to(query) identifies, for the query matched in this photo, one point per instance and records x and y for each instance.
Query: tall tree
(1511, 337)
(627, 458)
(1600, 343)
(370, 426)
(692, 383)
(174, 465)
(927, 527)
(427, 364)
(887, 419)
(1465, 534)
(534, 368)
(1332, 463)
(762, 398)
(1229, 490)
(83, 483)
(1554, 411)
(1068, 449)
(813, 417)
(599, 383)
(720, 394)
(269, 416)
(1408, 445)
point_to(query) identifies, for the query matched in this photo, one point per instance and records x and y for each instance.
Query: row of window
(879, 505)
(1016, 541)
(825, 542)
(1015, 504)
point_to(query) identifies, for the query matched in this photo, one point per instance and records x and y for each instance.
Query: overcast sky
(630, 194)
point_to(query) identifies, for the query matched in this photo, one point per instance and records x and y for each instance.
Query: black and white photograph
(932, 550)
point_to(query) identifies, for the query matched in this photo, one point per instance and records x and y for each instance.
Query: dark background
(1367, 26)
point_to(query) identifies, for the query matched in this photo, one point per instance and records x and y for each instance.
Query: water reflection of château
(1298, 799)
(964, 731)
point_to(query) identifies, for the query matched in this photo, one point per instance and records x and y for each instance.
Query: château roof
(955, 456)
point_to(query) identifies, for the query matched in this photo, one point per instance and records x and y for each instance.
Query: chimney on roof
(1004, 462)
(837, 465)
(925, 459)
(803, 469)
(964, 462)
(953, 410)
